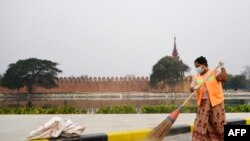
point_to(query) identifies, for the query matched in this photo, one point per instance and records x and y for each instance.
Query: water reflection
(91, 102)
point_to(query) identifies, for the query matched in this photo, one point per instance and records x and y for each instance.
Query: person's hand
(221, 64)
(196, 87)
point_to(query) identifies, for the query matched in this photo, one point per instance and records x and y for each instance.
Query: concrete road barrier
(140, 134)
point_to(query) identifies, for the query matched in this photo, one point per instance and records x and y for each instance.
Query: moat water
(91, 102)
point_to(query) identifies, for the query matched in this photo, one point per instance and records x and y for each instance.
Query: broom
(161, 130)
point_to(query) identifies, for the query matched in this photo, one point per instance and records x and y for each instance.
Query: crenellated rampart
(103, 84)
(100, 79)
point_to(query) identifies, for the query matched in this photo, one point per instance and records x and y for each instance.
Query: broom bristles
(161, 130)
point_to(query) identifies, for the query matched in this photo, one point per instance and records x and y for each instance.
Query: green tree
(1, 76)
(239, 82)
(11, 79)
(228, 85)
(235, 82)
(168, 70)
(31, 72)
(246, 72)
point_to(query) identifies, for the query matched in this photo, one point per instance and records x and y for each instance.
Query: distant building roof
(175, 52)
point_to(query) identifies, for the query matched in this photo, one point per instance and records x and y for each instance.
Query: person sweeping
(210, 117)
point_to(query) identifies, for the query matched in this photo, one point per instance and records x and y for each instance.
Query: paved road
(18, 127)
(180, 137)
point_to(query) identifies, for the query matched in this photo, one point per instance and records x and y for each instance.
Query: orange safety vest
(214, 87)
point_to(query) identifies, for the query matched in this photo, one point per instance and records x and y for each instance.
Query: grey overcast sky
(121, 37)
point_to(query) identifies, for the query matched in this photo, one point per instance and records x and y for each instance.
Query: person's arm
(193, 84)
(222, 76)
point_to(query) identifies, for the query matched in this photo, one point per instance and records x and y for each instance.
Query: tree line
(168, 71)
(31, 72)
(239, 81)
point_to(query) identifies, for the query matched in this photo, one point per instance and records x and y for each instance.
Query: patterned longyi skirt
(209, 122)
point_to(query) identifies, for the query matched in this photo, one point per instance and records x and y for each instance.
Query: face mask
(199, 70)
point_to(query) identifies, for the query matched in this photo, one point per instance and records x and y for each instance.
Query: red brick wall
(103, 84)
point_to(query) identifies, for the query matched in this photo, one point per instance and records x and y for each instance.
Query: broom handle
(199, 86)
